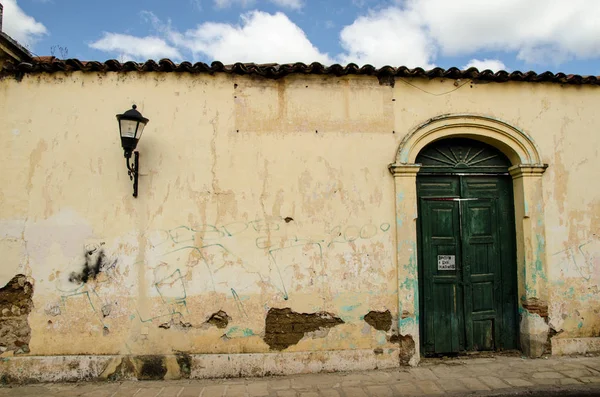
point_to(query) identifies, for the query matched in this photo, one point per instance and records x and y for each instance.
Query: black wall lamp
(131, 126)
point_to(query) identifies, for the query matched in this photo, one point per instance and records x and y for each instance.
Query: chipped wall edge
(33, 369)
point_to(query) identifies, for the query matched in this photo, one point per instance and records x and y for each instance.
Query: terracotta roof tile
(273, 71)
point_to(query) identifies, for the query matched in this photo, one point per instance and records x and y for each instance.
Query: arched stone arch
(513, 142)
(526, 170)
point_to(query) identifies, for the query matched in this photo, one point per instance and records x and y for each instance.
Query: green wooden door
(466, 261)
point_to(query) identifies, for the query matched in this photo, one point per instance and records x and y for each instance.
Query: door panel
(443, 292)
(499, 189)
(480, 263)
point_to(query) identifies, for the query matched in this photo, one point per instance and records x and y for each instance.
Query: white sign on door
(446, 262)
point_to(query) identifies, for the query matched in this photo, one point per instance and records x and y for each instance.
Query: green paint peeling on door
(467, 260)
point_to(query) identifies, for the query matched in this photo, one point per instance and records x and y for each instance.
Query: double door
(467, 269)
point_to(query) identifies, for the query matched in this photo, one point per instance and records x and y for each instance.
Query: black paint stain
(386, 79)
(184, 361)
(288, 219)
(95, 262)
(284, 328)
(381, 321)
(153, 367)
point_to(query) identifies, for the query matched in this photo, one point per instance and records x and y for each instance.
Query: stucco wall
(255, 194)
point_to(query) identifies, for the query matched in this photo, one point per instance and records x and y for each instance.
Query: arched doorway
(526, 170)
(466, 248)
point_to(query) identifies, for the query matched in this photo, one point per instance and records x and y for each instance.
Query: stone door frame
(526, 171)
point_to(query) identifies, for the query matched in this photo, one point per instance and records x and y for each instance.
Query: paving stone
(287, 393)
(192, 391)
(97, 393)
(569, 381)
(235, 391)
(304, 383)
(569, 366)
(351, 383)
(213, 391)
(407, 388)
(576, 373)
(590, 379)
(452, 385)
(279, 384)
(329, 393)
(380, 377)
(517, 382)
(401, 376)
(309, 394)
(127, 391)
(171, 391)
(429, 387)
(474, 384)
(593, 364)
(423, 374)
(354, 392)
(329, 387)
(493, 382)
(383, 391)
(547, 375)
(257, 389)
(149, 392)
(454, 372)
(509, 374)
(545, 382)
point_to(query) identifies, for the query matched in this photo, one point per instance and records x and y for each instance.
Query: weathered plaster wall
(257, 195)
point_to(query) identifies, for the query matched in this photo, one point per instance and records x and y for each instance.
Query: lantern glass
(128, 128)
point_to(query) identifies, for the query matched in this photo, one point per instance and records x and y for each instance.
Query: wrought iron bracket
(133, 171)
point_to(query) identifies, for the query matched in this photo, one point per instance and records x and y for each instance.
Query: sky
(538, 35)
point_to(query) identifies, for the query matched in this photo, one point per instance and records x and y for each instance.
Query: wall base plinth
(564, 346)
(29, 369)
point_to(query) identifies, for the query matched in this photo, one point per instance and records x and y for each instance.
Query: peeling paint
(15, 306)
(284, 327)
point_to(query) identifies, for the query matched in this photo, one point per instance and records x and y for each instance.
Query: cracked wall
(256, 195)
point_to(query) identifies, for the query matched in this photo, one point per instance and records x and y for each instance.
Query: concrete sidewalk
(499, 375)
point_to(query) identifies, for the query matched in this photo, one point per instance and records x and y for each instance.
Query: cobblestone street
(479, 376)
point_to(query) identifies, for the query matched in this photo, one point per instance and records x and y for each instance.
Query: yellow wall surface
(255, 194)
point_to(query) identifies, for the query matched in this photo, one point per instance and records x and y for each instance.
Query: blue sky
(539, 35)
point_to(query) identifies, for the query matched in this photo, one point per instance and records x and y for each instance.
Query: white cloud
(261, 38)
(492, 64)
(391, 36)
(20, 26)
(414, 32)
(136, 48)
(537, 30)
(291, 4)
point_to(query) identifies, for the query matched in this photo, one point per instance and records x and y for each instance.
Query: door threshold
(466, 355)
